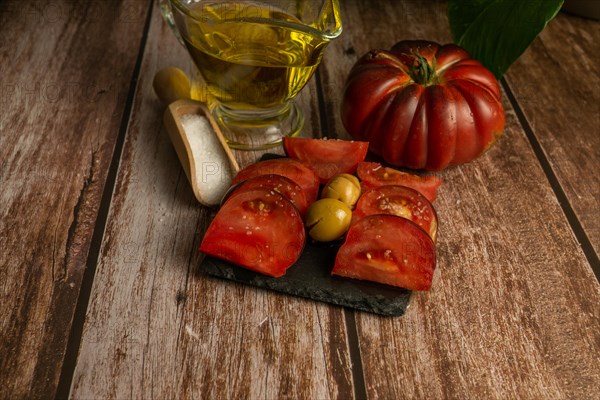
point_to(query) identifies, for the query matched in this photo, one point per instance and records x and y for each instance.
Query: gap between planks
(358, 376)
(74, 341)
(565, 205)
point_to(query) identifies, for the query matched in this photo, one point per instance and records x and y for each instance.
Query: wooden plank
(513, 312)
(156, 325)
(65, 75)
(555, 83)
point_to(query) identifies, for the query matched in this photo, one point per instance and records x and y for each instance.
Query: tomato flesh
(258, 229)
(291, 169)
(280, 184)
(401, 201)
(327, 157)
(387, 249)
(372, 174)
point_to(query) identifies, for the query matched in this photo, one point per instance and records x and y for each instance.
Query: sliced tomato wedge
(279, 183)
(387, 249)
(401, 201)
(373, 174)
(258, 229)
(327, 157)
(292, 169)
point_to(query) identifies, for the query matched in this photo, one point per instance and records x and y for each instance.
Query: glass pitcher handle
(167, 13)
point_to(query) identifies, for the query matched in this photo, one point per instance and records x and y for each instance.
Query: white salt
(213, 171)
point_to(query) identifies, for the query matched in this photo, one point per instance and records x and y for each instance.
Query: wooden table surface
(100, 291)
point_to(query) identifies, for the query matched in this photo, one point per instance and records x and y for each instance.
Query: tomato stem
(421, 71)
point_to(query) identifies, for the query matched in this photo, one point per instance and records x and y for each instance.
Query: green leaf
(497, 32)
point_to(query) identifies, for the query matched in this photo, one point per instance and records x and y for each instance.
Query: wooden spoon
(181, 141)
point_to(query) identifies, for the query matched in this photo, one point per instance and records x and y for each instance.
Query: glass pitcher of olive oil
(254, 58)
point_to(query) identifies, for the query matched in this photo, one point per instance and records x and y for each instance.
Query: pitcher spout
(329, 21)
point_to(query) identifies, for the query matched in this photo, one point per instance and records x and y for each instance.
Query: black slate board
(311, 277)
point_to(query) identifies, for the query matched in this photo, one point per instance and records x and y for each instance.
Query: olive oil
(250, 55)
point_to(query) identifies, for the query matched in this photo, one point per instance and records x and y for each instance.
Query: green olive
(171, 84)
(328, 219)
(343, 187)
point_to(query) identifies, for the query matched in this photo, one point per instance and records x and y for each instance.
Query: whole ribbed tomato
(422, 105)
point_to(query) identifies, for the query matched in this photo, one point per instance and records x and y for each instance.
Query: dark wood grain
(555, 83)
(157, 327)
(513, 312)
(66, 71)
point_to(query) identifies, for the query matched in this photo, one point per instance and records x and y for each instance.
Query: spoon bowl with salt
(202, 149)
